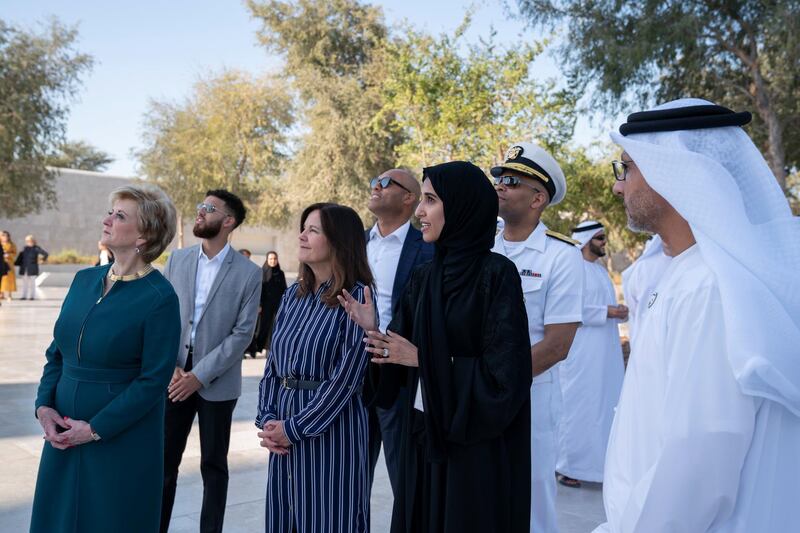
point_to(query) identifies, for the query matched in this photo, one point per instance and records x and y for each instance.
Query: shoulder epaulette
(560, 237)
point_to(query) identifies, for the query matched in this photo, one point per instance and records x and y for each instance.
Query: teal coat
(109, 364)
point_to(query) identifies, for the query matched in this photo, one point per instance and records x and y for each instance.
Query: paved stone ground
(25, 332)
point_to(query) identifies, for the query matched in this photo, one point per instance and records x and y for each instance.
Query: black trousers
(215, 435)
(386, 427)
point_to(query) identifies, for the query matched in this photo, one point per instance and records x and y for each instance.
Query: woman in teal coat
(101, 396)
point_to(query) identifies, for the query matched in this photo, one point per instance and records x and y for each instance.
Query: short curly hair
(157, 217)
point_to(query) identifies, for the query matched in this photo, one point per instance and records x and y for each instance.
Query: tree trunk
(776, 154)
(180, 231)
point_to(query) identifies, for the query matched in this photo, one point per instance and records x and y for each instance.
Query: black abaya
(466, 459)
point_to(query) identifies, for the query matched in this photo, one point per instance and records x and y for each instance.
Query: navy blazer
(415, 252)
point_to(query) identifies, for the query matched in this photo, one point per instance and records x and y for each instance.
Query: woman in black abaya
(458, 340)
(273, 285)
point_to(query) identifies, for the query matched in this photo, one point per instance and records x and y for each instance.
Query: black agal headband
(684, 118)
(587, 228)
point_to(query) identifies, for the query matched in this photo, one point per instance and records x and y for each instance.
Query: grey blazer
(226, 326)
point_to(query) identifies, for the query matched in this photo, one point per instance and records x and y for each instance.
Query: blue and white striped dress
(321, 485)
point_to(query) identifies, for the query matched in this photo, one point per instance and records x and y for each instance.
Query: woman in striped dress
(310, 411)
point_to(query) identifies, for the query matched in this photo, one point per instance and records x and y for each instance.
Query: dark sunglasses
(385, 181)
(601, 238)
(512, 181)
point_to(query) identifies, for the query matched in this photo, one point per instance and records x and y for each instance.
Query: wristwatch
(95, 436)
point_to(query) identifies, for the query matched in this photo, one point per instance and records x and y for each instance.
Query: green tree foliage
(740, 53)
(39, 76)
(230, 133)
(334, 52)
(454, 101)
(79, 155)
(471, 102)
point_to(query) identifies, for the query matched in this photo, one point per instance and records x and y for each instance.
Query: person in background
(591, 375)
(28, 263)
(310, 413)
(273, 285)
(100, 401)
(3, 271)
(8, 284)
(104, 255)
(245, 252)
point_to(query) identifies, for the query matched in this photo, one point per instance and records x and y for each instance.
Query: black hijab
(470, 213)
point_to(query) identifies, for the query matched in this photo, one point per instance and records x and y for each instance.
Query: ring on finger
(386, 352)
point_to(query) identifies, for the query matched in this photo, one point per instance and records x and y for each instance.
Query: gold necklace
(130, 277)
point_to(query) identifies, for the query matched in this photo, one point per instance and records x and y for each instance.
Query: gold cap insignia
(513, 152)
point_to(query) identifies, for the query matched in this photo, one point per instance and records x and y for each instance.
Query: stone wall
(82, 201)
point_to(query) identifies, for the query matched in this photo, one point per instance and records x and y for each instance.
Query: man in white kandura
(551, 272)
(640, 279)
(707, 431)
(591, 375)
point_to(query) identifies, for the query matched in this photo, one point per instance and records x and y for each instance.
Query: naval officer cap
(532, 161)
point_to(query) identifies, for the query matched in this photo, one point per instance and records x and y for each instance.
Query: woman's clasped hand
(75, 432)
(273, 437)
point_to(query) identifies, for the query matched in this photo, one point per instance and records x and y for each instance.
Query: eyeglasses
(512, 182)
(385, 181)
(599, 238)
(620, 169)
(210, 208)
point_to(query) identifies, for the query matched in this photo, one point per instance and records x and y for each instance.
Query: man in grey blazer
(219, 291)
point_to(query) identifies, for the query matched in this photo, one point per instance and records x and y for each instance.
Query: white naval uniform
(689, 451)
(552, 284)
(591, 380)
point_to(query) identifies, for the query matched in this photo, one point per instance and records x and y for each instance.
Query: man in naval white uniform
(591, 375)
(551, 269)
(707, 431)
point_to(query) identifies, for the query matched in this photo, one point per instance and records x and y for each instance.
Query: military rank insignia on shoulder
(560, 237)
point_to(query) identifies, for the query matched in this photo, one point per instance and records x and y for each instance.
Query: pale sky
(157, 49)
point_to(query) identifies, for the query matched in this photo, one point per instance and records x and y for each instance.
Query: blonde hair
(31, 238)
(157, 217)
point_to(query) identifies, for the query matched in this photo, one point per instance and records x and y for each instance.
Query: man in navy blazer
(394, 248)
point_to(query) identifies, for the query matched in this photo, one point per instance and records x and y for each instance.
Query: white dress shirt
(383, 254)
(207, 270)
